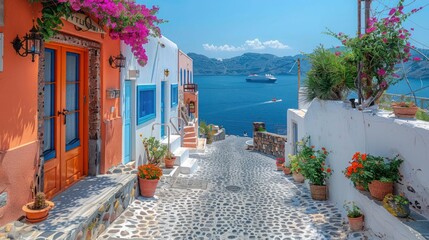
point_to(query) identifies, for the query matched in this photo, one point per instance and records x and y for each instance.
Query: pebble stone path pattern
(244, 198)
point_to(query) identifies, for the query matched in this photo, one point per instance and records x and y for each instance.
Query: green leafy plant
(169, 155)
(294, 163)
(331, 75)
(353, 211)
(206, 131)
(397, 205)
(364, 168)
(314, 168)
(155, 151)
(261, 129)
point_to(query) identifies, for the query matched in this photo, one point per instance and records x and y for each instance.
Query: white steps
(189, 166)
(175, 142)
(181, 154)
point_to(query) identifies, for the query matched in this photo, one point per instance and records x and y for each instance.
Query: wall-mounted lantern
(31, 44)
(118, 61)
(192, 107)
(166, 72)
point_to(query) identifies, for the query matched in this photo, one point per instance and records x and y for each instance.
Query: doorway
(127, 122)
(64, 120)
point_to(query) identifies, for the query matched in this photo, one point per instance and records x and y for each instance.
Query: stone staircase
(184, 164)
(190, 139)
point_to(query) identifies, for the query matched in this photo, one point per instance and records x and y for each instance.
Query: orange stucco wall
(185, 63)
(18, 108)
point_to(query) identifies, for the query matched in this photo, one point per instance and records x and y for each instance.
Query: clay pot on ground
(169, 163)
(319, 192)
(34, 216)
(380, 189)
(356, 223)
(279, 166)
(298, 177)
(148, 187)
(286, 171)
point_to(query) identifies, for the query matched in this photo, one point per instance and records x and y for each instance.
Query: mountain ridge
(261, 63)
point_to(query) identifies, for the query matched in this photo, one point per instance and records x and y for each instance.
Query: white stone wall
(159, 59)
(344, 131)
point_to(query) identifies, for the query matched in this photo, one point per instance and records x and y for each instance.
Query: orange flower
(312, 146)
(313, 157)
(363, 157)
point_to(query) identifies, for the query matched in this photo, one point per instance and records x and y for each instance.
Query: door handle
(64, 113)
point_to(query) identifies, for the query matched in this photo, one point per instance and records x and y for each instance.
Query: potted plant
(206, 131)
(149, 175)
(279, 163)
(381, 173)
(315, 170)
(169, 160)
(355, 216)
(405, 109)
(397, 205)
(355, 171)
(155, 151)
(38, 210)
(287, 168)
(296, 169)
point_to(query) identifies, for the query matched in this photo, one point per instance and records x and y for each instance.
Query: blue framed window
(181, 77)
(49, 151)
(146, 103)
(174, 95)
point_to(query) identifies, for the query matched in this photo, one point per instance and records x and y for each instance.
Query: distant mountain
(249, 63)
(246, 64)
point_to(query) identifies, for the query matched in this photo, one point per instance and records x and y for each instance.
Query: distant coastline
(250, 63)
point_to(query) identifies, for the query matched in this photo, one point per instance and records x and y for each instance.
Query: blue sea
(235, 104)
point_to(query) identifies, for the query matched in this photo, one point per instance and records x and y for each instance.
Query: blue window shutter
(146, 103)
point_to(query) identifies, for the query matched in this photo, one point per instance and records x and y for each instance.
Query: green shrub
(331, 76)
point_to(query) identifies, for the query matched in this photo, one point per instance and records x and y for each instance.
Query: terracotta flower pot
(34, 216)
(319, 192)
(169, 163)
(380, 189)
(360, 187)
(148, 187)
(298, 177)
(404, 112)
(279, 166)
(286, 170)
(356, 224)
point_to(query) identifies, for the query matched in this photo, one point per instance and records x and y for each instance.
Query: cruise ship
(267, 78)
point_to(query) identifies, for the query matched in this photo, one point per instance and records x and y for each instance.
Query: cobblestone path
(235, 194)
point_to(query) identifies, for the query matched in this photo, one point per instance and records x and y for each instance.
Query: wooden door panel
(65, 164)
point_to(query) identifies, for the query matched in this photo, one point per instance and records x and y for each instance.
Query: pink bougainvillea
(126, 20)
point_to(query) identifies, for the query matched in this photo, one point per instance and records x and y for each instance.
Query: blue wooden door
(162, 108)
(127, 122)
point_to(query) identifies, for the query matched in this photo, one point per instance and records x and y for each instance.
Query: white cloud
(254, 44)
(223, 48)
(276, 44)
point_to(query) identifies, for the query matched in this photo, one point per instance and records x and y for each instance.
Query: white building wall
(159, 59)
(344, 131)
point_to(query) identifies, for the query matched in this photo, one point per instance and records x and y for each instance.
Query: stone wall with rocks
(269, 143)
(220, 135)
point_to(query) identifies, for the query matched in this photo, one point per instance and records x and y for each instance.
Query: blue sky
(227, 28)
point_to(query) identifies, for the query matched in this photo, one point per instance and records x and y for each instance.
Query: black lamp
(118, 61)
(31, 44)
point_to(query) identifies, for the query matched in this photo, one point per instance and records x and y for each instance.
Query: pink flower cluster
(126, 20)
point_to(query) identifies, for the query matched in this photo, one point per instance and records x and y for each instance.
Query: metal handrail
(181, 133)
(168, 132)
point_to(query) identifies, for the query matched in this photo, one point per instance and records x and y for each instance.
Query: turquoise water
(235, 104)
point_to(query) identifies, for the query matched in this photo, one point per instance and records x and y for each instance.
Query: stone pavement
(235, 194)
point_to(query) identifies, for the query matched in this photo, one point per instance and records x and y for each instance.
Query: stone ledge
(81, 212)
